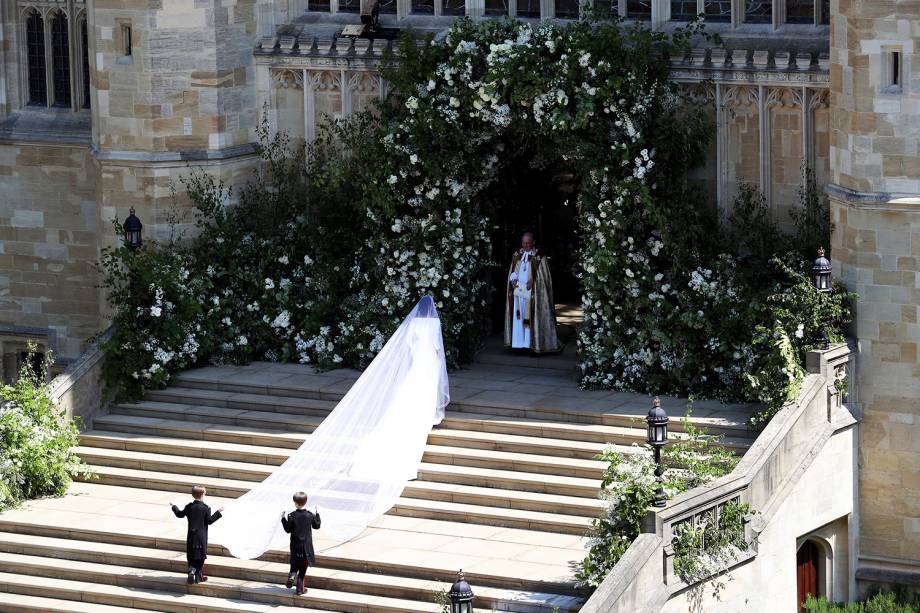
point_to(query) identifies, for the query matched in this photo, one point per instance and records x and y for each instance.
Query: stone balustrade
(644, 579)
(79, 390)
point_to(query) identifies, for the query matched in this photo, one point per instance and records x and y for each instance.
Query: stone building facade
(875, 204)
(105, 106)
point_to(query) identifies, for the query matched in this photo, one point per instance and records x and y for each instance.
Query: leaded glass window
(84, 39)
(717, 10)
(453, 7)
(319, 6)
(683, 10)
(496, 7)
(567, 9)
(60, 58)
(387, 7)
(758, 11)
(35, 46)
(423, 7)
(528, 8)
(349, 6)
(800, 11)
(825, 11)
(639, 9)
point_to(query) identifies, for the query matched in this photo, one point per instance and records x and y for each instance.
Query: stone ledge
(193, 155)
(874, 200)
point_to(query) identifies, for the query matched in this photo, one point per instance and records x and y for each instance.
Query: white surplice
(521, 324)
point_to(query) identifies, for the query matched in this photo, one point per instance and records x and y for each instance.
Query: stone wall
(875, 175)
(49, 238)
(187, 84)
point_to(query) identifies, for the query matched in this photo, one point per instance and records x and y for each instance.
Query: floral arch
(319, 260)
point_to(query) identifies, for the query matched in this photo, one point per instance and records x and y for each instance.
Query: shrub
(36, 439)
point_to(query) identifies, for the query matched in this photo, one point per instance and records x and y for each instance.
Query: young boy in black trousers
(196, 543)
(300, 525)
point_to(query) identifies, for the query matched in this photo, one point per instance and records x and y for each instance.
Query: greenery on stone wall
(320, 258)
(629, 489)
(36, 439)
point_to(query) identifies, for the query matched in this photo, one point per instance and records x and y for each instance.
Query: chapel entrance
(542, 200)
(807, 567)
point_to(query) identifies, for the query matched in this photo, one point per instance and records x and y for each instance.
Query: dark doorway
(543, 201)
(807, 572)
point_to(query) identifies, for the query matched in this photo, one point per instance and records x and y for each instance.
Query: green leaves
(629, 487)
(36, 439)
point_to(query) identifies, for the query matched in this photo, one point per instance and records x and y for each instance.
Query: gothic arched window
(85, 54)
(60, 58)
(35, 48)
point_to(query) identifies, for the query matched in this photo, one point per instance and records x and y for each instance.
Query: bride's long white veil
(355, 465)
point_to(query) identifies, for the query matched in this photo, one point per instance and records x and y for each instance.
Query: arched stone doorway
(809, 572)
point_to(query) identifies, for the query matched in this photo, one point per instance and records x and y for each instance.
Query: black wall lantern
(133, 227)
(461, 596)
(657, 421)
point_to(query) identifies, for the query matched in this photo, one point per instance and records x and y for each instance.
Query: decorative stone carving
(740, 95)
(784, 97)
(287, 79)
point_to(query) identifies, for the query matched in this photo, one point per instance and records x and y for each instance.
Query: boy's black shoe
(290, 580)
(192, 576)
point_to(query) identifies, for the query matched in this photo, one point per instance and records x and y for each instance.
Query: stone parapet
(767, 478)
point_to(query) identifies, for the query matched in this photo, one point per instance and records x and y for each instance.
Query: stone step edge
(250, 591)
(471, 437)
(223, 566)
(524, 462)
(589, 507)
(537, 521)
(465, 405)
(74, 591)
(17, 603)
(279, 555)
(101, 439)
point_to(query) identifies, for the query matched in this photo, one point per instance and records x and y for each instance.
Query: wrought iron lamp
(657, 421)
(132, 228)
(821, 278)
(461, 596)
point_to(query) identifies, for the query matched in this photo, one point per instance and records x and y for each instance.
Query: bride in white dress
(355, 465)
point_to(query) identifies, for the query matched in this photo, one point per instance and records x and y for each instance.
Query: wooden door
(807, 572)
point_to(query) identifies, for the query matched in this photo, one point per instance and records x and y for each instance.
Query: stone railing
(78, 390)
(645, 578)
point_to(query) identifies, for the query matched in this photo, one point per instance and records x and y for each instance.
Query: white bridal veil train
(355, 465)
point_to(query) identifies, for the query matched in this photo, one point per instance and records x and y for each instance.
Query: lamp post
(821, 278)
(657, 421)
(461, 596)
(132, 228)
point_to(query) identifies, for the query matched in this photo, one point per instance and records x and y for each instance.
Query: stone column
(875, 205)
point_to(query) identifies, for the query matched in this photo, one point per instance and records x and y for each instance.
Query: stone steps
(264, 594)
(625, 410)
(273, 456)
(485, 432)
(33, 528)
(13, 603)
(273, 573)
(247, 473)
(462, 504)
(246, 431)
(26, 591)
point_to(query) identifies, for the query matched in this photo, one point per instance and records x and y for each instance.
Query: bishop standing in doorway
(530, 315)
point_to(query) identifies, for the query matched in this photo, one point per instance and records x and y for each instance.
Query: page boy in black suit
(300, 525)
(196, 543)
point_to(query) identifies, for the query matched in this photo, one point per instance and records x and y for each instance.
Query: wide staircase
(506, 491)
